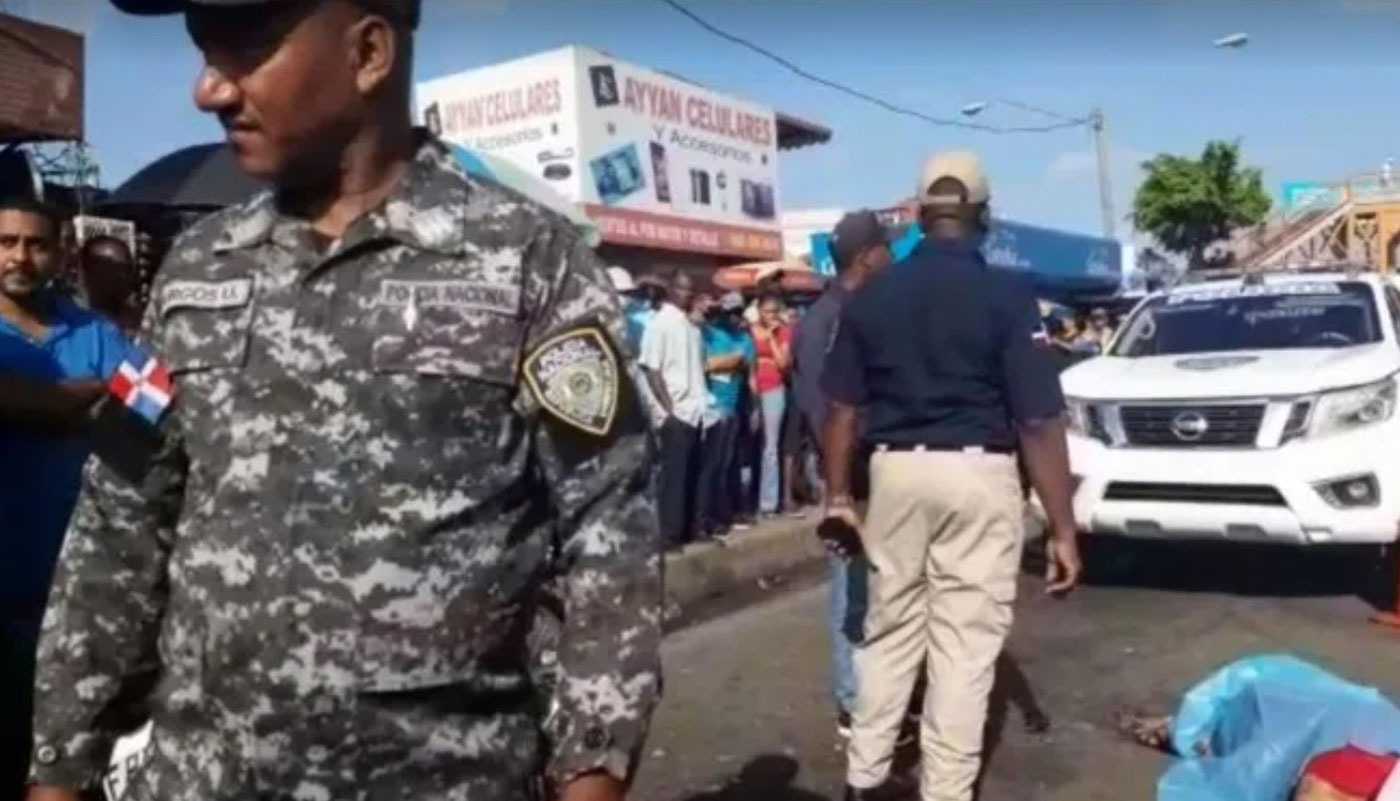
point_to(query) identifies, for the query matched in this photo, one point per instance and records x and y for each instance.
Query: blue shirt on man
(944, 352)
(728, 388)
(637, 313)
(40, 475)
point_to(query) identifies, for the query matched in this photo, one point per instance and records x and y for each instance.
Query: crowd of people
(732, 447)
(1082, 332)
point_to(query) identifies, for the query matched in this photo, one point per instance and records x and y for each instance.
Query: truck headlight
(1076, 416)
(1085, 419)
(1348, 409)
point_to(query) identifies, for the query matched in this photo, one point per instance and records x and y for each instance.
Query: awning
(1060, 265)
(790, 276)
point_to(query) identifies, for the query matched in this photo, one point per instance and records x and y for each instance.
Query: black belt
(907, 447)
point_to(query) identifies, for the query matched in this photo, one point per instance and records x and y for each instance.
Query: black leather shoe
(895, 788)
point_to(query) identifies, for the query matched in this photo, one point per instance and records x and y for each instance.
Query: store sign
(630, 227)
(524, 111)
(86, 226)
(1304, 195)
(1052, 253)
(653, 160)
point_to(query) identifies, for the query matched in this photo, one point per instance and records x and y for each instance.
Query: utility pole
(1105, 183)
(1095, 121)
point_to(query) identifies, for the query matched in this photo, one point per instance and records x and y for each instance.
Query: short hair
(964, 212)
(948, 185)
(28, 205)
(106, 241)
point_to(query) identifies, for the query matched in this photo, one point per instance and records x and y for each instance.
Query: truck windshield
(1314, 314)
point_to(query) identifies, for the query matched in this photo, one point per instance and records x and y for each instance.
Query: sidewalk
(715, 573)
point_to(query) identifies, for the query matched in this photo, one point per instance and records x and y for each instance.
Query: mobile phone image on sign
(604, 81)
(661, 172)
(758, 200)
(432, 119)
(617, 174)
(700, 187)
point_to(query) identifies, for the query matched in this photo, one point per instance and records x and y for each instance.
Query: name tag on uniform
(206, 294)
(474, 295)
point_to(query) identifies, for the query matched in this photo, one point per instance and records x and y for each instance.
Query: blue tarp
(1061, 265)
(1264, 717)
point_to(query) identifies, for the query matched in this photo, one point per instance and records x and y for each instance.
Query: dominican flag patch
(142, 384)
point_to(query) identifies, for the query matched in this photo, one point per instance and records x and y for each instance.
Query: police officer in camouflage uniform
(401, 407)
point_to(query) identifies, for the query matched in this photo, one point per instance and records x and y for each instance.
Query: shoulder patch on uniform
(576, 377)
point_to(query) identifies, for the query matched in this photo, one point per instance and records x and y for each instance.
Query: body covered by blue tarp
(1059, 264)
(1264, 717)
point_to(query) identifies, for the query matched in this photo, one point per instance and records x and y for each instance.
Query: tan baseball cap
(960, 165)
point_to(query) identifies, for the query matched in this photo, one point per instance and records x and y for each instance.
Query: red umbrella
(791, 276)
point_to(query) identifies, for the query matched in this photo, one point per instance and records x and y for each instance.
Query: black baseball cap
(409, 9)
(856, 232)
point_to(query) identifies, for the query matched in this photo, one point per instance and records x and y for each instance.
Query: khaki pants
(944, 532)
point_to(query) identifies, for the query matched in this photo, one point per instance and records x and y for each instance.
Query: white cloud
(1076, 165)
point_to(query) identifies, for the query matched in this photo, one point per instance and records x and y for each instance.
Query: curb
(709, 573)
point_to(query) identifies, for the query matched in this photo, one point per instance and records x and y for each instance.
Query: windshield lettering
(1254, 291)
(1317, 314)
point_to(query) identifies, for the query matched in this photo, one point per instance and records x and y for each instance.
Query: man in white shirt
(674, 363)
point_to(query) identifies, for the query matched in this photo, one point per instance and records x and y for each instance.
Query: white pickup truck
(1251, 408)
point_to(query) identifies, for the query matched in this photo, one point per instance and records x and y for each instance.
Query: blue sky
(1312, 96)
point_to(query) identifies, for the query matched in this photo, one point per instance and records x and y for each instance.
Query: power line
(1038, 110)
(1067, 122)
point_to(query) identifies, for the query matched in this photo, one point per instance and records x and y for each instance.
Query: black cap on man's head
(854, 234)
(408, 8)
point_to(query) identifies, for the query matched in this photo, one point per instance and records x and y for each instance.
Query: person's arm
(609, 555)
(56, 409)
(97, 654)
(838, 449)
(843, 383)
(782, 347)
(63, 408)
(1037, 406)
(1047, 463)
(725, 364)
(651, 360)
(658, 389)
(810, 343)
(751, 364)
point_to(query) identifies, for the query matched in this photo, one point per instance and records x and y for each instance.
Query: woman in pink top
(773, 343)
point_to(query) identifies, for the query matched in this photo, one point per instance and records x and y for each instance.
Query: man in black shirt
(945, 360)
(861, 248)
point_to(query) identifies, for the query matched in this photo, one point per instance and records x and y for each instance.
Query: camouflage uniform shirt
(321, 585)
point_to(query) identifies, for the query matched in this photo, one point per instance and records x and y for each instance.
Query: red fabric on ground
(1352, 771)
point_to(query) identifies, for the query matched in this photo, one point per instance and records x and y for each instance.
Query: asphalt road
(747, 714)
